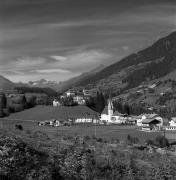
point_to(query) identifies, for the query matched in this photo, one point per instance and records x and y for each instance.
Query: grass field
(105, 132)
(41, 113)
(29, 118)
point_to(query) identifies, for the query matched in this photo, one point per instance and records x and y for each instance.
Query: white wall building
(118, 118)
(173, 122)
(70, 93)
(153, 116)
(107, 113)
(79, 99)
(56, 103)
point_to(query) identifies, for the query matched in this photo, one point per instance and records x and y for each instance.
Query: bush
(19, 127)
(6, 112)
(15, 108)
(132, 140)
(161, 141)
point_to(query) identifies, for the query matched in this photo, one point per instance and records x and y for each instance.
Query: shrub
(19, 127)
(132, 140)
(161, 141)
(15, 108)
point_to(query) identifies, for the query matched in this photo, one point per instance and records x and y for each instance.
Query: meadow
(29, 120)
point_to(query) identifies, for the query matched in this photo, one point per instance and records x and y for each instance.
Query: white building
(153, 116)
(173, 122)
(106, 115)
(79, 99)
(70, 93)
(151, 122)
(118, 118)
(56, 103)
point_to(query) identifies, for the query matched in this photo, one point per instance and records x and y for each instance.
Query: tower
(110, 109)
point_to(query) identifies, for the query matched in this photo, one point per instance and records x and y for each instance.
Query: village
(148, 122)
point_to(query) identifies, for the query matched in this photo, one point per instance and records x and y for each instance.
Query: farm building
(151, 122)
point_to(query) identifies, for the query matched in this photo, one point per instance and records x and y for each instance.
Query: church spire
(110, 104)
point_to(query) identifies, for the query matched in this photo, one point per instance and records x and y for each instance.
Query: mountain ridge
(160, 54)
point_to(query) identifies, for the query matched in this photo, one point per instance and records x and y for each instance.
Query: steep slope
(5, 84)
(81, 78)
(153, 62)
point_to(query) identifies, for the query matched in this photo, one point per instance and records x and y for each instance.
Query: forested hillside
(151, 63)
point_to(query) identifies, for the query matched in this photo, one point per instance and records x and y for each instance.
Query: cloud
(30, 61)
(125, 48)
(85, 60)
(59, 58)
(48, 71)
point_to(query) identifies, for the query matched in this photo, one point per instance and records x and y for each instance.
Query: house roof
(116, 113)
(151, 116)
(173, 119)
(147, 121)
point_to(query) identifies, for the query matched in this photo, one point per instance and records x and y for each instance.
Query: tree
(99, 101)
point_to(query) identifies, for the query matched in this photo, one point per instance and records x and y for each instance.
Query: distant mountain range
(62, 86)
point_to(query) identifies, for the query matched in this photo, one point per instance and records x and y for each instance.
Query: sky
(60, 39)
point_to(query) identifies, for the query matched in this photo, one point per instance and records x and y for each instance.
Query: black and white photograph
(87, 89)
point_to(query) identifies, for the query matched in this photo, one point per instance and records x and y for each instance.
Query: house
(52, 122)
(118, 118)
(79, 99)
(56, 103)
(173, 122)
(85, 119)
(106, 115)
(86, 92)
(85, 115)
(138, 120)
(70, 92)
(151, 122)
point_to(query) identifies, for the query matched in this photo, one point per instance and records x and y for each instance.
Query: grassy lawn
(29, 118)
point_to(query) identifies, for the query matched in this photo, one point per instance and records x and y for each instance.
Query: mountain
(6, 84)
(64, 85)
(76, 80)
(43, 83)
(154, 62)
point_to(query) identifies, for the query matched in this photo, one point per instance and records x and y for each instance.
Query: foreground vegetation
(35, 155)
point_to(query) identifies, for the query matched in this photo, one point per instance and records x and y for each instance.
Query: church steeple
(110, 105)
(110, 109)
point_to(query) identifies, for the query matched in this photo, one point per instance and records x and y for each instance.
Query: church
(110, 117)
(107, 113)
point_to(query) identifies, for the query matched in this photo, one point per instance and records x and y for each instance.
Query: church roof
(105, 111)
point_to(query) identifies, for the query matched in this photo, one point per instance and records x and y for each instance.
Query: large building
(152, 122)
(106, 115)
